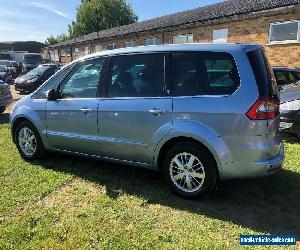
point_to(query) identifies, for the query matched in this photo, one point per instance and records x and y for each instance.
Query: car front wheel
(189, 170)
(28, 141)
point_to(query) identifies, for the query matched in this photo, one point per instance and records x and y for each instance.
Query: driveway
(16, 96)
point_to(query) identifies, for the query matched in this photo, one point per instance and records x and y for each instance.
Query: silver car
(197, 113)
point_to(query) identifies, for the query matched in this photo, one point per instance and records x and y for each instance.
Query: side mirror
(52, 95)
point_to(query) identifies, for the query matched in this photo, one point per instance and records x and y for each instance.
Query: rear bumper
(254, 169)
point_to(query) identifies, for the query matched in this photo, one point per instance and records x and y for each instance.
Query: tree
(51, 40)
(96, 15)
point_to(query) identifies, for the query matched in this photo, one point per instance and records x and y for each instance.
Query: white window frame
(285, 41)
(186, 36)
(114, 45)
(62, 52)
(130, 44)
(86, 50)
(98, 48)
(154, 41)
(219, 32)
(76, 51)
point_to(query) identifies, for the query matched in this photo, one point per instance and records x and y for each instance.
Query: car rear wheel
(28, 141)
(189, 170)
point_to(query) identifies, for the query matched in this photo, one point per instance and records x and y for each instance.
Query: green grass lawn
(68, 203)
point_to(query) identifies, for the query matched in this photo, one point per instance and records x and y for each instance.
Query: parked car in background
(200, 114)
(31, 61)
(285, 76)
(5, 75)
(9, 65)
(290, 109)
(35, 78)
(5, 96)
(5, 56)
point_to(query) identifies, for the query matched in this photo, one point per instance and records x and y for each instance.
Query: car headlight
(293, 105)
(32, 80)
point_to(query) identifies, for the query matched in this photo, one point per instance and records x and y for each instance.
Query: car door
(137, 110)
(71, 120)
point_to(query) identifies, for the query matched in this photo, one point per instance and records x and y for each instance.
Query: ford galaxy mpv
(197, 113)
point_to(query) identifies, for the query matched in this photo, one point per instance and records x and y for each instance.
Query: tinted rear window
(203, 74)
(265, 79)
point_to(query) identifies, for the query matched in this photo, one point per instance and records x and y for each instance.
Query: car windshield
(5, 63)
(38, 71)
(33, 59)
(2, 68)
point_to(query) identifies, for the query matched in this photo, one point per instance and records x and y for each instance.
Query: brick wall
(247, 30)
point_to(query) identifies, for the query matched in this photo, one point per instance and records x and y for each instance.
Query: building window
(98, 48)
(111, 46)
(284, 32)
(68, 52)
(220, 36)
(76, 51)
(180, 39)
(130, 44)
(62, 52)
(86, 50)
(152, 41)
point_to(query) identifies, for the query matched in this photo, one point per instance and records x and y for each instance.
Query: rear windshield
(264, 76)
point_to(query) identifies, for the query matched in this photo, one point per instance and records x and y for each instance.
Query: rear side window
(204, 74)
(264, 76)
(137, 76)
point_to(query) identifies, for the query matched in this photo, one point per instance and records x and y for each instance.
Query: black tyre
(189, 170)
(28, 141)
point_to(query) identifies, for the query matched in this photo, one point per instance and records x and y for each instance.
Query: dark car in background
(290, 109)
(31, 61)
(5, 76)
(9, 65)
(34, 78)
(285, 76)
(5, 96)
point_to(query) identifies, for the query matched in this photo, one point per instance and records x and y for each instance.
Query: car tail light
(264, 109)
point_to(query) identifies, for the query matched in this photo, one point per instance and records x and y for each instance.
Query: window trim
(186, 35)
(132, 43)
(167, 78)
(113, 44)
(285, 41)
(218, 30)
(152, 39)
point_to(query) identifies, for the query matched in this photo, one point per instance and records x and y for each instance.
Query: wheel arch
(175, 140)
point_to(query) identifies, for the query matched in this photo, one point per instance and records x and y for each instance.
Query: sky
(34, 20)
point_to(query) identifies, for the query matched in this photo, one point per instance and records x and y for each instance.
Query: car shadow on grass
(4, 118)
(268, 205)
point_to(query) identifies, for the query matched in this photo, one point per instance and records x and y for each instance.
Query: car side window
(282, 77)
(51, 83)
(137, 76)
(204, 74)
(83, 81)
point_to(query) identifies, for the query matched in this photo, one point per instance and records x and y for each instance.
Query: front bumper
(290, 121)
(239, 170)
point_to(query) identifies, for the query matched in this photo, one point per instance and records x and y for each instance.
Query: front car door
(71, 121)
(137, 110)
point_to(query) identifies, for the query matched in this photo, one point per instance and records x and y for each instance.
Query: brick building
(275, 24)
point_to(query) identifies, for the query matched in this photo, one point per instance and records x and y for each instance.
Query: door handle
(155, 111)
(86, 110)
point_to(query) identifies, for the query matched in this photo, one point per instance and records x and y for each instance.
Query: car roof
(224, 47)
